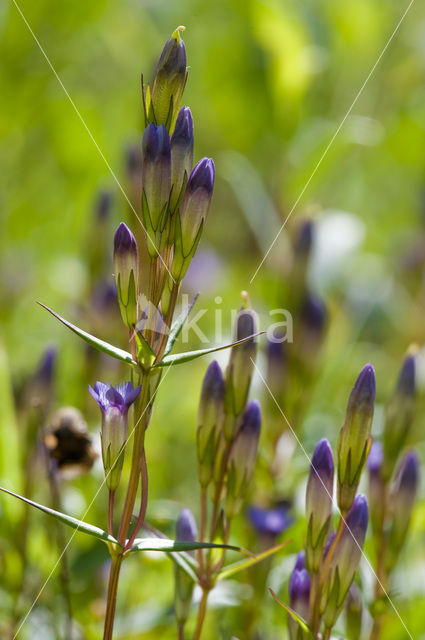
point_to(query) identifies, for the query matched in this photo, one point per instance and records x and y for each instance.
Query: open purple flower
(114, 403)
(270, 522)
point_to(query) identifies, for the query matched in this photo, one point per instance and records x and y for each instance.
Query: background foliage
(269, 83)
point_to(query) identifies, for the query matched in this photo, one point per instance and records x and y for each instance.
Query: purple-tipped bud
(181, 154)
(114, 403)
(353, 613)
(242, 457)
(38, 393)
(402, 500)
(399, 416)
(375, 459)
(103, 205)
(269, 523)
(126, 265)
(299, 595)
(240, 369)
(186, 531)
(313, 315)
(210, 417)
(192, 214)
(169, 83)
(376, 487)
(319, 502)
(354, 438)
(156, 175)
(345, 560)
(304, 238)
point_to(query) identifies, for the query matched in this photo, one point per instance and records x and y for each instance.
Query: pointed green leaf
(236, 567)
(179, 358)
(101, 345)
(300, 621)
(171, 546)
(79, 525)
(178, 325)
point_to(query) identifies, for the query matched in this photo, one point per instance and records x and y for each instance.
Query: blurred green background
(269, 84)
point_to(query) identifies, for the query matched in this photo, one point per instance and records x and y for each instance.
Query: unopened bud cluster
(323, 576)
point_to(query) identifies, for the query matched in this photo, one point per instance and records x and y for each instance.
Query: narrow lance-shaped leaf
(185, 560)
(171, 546)
(177, 325)
(179, 358)
(241, 565)
(101, 345)
(79, 525)
(300, 622)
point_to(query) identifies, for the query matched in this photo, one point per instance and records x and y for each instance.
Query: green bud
(353, 613)
(402, 500)
(242, 458)
(399, 416)
(354, 438)
(344, 561)
(156, 184)
(126, 264)
(210, 415)
(240, 370)
(163, 102)
(319, 503)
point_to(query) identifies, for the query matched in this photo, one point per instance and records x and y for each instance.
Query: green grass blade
(236, 567)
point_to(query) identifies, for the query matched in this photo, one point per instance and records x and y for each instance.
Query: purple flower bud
(299, 594)
(240, 369)
(376, 486)
(210, 416)
(399, 416)
(277, 366)
(156, 175)
(196, 203)
(38, 391)
(269, 523)
(114, 403)
(313, 315)
(242, 457)
(375, 459)
(300, 560)
(103, 205)
(126, 264)
(186, 529)
(407, 380)
(304, 237)
(319, 502)
(181, 154)
(354, 438)
(345, 560)
(402, 500)
(169, 83)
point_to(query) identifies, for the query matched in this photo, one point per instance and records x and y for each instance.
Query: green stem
(201, 614)
(144, 501)
(139, 436)
(112, 596)
(202, 528)
(111, 512)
